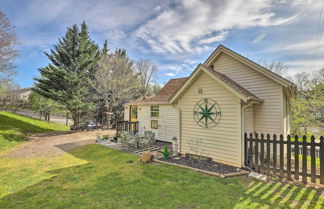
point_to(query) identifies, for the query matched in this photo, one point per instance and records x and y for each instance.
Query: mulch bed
(202, 165)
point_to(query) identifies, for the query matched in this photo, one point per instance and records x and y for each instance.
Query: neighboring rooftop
(163, 96)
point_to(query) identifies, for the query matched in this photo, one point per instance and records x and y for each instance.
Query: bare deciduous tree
(114, 80)
(279, 68)
(146, 71)
(8, 92)
(8, 40)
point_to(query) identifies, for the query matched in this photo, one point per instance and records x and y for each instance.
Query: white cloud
(219, 37)
(115, 35)
(170, 74)
(188, 27)
(307, 65)
(259, 38)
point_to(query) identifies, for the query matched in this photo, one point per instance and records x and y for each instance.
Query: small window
(154, 124)
(154, 111)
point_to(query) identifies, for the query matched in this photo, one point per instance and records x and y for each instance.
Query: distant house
(222, 99)
(24, 94)
(13, 96)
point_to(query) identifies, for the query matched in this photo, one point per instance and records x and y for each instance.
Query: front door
(133, 117)
(133, 113)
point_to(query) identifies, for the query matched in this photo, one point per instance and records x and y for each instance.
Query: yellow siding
(269, 114)
(222, 142)
(168, 121)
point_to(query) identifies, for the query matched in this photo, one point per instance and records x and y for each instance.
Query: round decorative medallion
(207, 113)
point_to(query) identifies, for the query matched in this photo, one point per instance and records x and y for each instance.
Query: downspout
(179, 132)
(243, 107)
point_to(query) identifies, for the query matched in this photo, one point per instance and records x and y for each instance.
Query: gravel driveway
(52, 144)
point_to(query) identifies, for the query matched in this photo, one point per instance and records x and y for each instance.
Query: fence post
(274, 145)
(245, 150)
(268, 154)
(281, 157)
(322, 160)
(296, 158)
(251, 151)
(313, 160)
(288, 157)
(262, 153)
(304, 158)
(256, 156)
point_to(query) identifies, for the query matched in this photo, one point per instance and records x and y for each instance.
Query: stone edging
(241, 173)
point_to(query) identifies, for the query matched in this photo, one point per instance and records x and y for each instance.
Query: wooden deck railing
(127, 126)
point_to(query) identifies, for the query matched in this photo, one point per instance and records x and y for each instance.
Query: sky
(176, 35)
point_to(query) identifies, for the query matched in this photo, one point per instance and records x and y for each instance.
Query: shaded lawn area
(13, 129)
(105, 178)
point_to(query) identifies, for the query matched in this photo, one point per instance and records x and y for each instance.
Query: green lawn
(97, 177)
(13, 129)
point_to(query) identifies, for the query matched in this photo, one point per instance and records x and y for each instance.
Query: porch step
(258, 176)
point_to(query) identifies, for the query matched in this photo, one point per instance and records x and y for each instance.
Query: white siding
(126, 113)
(269, 114)
(222, 142)
(168, 121)
(249, 120)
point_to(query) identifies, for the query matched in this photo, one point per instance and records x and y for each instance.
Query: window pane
(155, 111)
(154, 124)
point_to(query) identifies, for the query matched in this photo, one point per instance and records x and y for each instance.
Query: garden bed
(209, 167)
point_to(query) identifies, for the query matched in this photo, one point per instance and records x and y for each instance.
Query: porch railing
(127, 126)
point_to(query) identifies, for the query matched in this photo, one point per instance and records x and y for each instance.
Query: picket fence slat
(251, 151)
(304, 160)
(268, 154)
(262, 154)
(282, 157)
(313, 160)
(322, 160)
(296, 158)
(288, 157)
(256, 152)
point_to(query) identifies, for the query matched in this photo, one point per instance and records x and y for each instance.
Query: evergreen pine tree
(65, 79)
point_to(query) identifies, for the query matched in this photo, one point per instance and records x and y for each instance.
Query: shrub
(166, 154)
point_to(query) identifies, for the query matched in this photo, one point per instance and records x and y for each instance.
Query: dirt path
(55, 143)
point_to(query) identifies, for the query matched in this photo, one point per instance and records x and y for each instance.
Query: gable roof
(222, 79)
(163, 96)
(234, 85)
(268, 73)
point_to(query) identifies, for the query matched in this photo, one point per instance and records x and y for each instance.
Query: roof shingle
(234, 85)
(163, 96)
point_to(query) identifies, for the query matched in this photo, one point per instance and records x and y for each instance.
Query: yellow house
(222, 99)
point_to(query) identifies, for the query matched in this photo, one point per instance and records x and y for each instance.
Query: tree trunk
(67, 119)
(75, 116)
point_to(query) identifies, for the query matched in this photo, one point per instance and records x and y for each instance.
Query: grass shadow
(281, 195)
(14, 137)
(12, 123)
